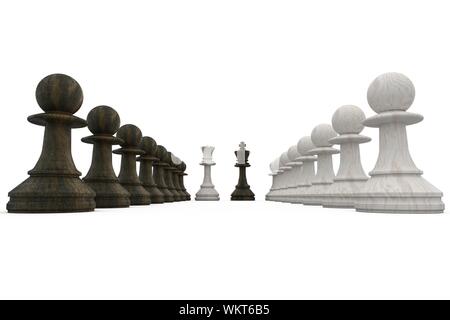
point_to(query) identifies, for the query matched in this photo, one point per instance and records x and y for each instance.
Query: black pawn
(103, 122)
(169, 170)
(148, 145)
(182, 167)
(176, 179)
(131, 136)
(159, 173)
(54, 184)
(242, 191)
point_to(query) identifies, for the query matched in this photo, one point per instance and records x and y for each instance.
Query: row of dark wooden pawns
(54, 184)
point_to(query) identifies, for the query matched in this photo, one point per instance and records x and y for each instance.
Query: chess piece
(274, 173)
(175, 177)
(318, 191)
(168, 171)
(307, 174)
(183, 173)
(293, 172)
(54, 184)
(148, 145)
(395, 185)
(242, 191)
(131, 136)
(283, 177)
(159, 173)
(207, 191)
(103, 122)
(351, 178)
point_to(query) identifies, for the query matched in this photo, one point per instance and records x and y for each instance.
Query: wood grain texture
(54, 184)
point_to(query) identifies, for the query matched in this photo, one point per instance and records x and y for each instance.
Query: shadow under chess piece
(175, 177)
(103, 122)
(207, 191)
(54, 184)
(131, 136)
(181, 177)
(159, 173)
(242, 191)
(168, 171)
(395, 185)
(148, 145)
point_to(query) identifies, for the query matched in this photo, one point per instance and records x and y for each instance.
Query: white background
(191, 73)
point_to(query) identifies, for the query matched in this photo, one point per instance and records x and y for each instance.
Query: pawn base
(109, 194)
(138, 195)
(156, 196)
(40, 194)
(399, 193)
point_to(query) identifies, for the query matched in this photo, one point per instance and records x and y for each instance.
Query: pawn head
(293, 153)
(284, 159)
(321, 134)
(103, 120)
(148, 145)
(59, 93)
(304, 145)
(391, 92)
(130, 134)
(348, 119)
(183, 166)
(161, 153)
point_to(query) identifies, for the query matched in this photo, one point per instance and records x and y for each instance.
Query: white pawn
(350, 179)
(207, 191)
(307, 173)
(292, 173)
(321, 136)
(396, 184)
(284, 177)
(274, 173)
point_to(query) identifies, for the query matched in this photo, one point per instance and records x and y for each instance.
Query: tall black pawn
(242, 191)
(169, 177)
(103, 122)
(148, 145)
(159, 173)
(54, 184)
(131, 136)
(183, 173)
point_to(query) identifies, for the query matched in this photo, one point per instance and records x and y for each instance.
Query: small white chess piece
(207, 190)
(351, 178)
(307, 173)
(321, 136)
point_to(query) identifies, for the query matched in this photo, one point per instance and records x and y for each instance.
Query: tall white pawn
(324, 150)
(306, 175)
(293, 173)
(274, 173)
(396, 184)
(350, 179)
(284, 177)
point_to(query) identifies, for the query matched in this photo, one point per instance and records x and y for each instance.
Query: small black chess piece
(168, 171)
(103, 122)
(131, 136)
(159, 173)
(242, 191)
(183, 173)
(176, 177)
(146, 169)
(54, 184)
